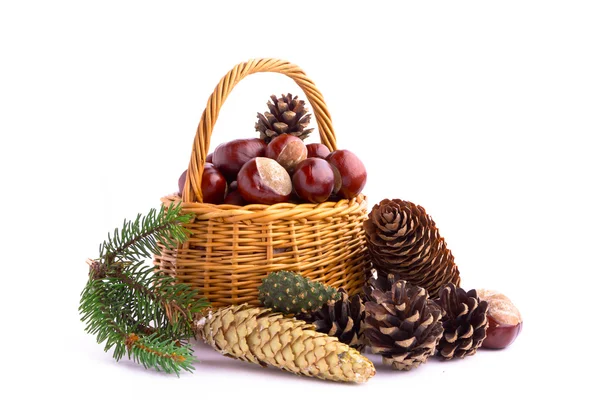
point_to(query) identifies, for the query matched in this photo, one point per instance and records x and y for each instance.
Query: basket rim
(262, 213)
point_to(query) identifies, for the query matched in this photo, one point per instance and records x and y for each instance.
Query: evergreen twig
(137, 312)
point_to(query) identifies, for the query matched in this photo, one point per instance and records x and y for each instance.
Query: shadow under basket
(232, 248)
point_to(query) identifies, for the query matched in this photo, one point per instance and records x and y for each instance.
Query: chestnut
(350, 173)
(504, 320)
(209, 158)
(214, 185)
(313, 180)
(318, 150)
(287, 150)
(235, 198)
(229, 157)
(182, 179)
(262, 180)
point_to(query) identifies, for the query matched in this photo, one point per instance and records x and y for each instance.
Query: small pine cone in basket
(286, 114)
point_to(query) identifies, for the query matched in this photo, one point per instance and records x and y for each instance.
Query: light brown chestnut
(318, 150)
(263, 181)
(505, 321)
(313, 180)
(350, 173)
(213, 186)
(287, 150)
(229, 157)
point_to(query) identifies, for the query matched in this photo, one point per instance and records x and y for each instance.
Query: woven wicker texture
(231, 248)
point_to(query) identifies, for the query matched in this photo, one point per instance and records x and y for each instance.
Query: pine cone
(258, 336)
(287, 115)
(464, 320)
(403, 240)
(343, 319)
(291, 293)
(401, 324)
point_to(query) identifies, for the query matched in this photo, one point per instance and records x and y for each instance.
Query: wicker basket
(231, 248)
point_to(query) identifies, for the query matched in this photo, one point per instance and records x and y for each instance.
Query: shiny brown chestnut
(263, 181)
(313, 180)
(181, 182)
(287, 150)
(350, 173)
(209, 158)
(229, 157)
(213, 186)
(233, 195)
(505, 321)
(318, 150)
(235, 198)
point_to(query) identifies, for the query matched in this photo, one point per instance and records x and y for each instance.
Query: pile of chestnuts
(250, 171)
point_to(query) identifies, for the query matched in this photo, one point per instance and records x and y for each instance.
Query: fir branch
(165, 355)
(140, 238)
(134, 310)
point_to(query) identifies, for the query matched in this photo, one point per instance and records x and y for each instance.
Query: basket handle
(192, 189)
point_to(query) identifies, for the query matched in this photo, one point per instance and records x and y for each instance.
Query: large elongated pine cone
(258, 336)
(343, 319)
(401, 324)
(403, 240)
(464, 320)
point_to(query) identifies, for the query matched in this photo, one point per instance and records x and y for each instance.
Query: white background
(487, 114)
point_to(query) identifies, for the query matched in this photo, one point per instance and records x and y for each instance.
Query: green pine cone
(291, 293)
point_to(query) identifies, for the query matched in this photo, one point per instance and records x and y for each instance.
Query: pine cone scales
(403, 240)
(286, 115)
(343, 319)
(465, 322)
(258, 336)
(401, 323)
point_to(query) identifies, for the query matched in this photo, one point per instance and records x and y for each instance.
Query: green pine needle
(134, 310)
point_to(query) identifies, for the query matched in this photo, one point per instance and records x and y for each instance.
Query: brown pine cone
(286, 114)
(464, 320)
(403, 240)
(401, 324)
(343, 319)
